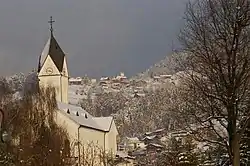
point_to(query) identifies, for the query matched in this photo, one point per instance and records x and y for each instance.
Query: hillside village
(131, 150)
(190, 109)
(78, 119)
(144, 137)
(144, 148)
(146, 145)
(82, 88)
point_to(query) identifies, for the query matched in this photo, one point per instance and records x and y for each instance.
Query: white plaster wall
(68, 124)
(88, 138)
(64, 90)
(111, 141)
(72, 129)
(60, 83)
(88, 135)
(48, 63)
(53, 81)
(65, 82)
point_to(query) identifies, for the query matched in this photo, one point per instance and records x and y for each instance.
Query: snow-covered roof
(149, 137)
(155, 145)
(133, 139)
(104, 122)
(83, 118)
(157, 77)
(45, 52)
(122, 154)
(166, 75)
(159, 130)
(104, 78)
(75, 79)
(148, 133)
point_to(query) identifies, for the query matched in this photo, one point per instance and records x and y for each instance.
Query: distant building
(156, 78)
(75, 81)
(166, 76)
(121, 77)
(93, 81)
(104, 79)
(133, 143)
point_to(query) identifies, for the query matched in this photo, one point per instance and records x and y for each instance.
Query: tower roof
(53, 49)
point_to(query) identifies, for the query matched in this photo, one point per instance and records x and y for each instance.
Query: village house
(156, 78)
(76, 81)
(120, 78)
(133, 143)
(165, 76)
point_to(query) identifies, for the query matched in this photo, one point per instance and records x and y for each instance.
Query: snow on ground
(75, 94)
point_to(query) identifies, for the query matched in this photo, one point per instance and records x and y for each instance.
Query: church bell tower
(52, 68)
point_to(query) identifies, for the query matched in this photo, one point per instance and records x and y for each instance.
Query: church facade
(52, 69)
(83, 128)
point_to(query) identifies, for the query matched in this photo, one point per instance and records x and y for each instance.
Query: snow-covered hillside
(171, 64)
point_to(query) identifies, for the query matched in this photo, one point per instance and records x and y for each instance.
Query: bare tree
(216, 93)
(105, 104)
(147, 113)
(36, 139)
(91, 154)
(181, 152)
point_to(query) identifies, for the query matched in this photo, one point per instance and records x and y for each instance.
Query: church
(82, 127)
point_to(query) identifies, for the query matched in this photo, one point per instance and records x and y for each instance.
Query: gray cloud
(101, 37)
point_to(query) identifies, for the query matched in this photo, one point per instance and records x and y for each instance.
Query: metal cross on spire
(51, 21)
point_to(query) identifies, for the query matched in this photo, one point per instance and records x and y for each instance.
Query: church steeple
(53, 49)
(52, 67)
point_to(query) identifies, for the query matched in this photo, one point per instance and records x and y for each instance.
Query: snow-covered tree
(105, 104)
(216, 90)
(35, 137)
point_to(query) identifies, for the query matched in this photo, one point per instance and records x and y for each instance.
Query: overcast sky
(100, 37)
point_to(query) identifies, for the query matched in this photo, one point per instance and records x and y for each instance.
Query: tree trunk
(236, 150)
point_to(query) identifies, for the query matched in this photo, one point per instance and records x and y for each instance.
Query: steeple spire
(51, 21)
(52, 49)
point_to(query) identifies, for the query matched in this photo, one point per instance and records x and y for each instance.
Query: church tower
(52, 68)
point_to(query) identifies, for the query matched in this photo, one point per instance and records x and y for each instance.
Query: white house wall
(91, 136)
(69, 125)
(72, 129)
(111, 144)
(53, 81)
(64, 89)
